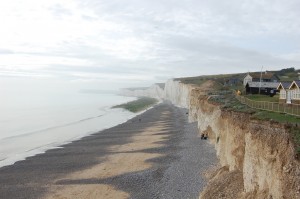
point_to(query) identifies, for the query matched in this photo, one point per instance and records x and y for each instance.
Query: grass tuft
(265, 98)
(278, 117)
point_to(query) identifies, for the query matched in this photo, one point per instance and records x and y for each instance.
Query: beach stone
(175, 173)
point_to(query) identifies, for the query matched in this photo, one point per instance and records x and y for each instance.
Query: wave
(52, 127)
(42, 146)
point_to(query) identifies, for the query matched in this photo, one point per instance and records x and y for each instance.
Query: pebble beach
(157, 154)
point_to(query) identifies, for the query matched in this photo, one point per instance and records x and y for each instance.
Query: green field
(278, 117)
(266, 98)
(221, 78)
(138, 105)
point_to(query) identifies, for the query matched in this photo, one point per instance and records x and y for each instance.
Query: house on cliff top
(263, 77)
(284, 92)
(267, 88)
(289, 92)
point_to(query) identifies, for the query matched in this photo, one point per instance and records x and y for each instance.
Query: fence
(291, 109)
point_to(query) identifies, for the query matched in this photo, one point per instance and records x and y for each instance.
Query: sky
(108, 44)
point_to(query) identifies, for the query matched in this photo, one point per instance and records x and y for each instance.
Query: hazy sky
(139, 42)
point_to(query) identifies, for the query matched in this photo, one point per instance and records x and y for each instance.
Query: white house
(284, 92)
(295, 91)
(247, 79)
(289, 92)
(263, 77)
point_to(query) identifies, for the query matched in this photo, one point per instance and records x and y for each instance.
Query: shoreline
(30, 151)
(138, 159)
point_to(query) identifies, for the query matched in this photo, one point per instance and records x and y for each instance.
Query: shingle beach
(157, 154)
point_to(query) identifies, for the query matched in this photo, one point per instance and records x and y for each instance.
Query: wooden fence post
(272, 106)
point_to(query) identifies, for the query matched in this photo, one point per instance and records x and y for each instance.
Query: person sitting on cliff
(204, 136)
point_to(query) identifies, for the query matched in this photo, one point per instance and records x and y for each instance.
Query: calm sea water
(32, 122)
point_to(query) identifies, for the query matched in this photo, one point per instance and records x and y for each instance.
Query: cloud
(6, 51)
(60, 11)
(139, 40)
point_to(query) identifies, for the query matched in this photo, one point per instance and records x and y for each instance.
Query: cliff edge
(257, 158)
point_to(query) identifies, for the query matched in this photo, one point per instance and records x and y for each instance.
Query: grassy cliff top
(219, 78)
(287, 74)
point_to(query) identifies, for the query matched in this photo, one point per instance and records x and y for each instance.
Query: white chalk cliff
(260, 154)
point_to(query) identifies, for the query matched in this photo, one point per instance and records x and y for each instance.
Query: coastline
(39, 141)
(144, 157)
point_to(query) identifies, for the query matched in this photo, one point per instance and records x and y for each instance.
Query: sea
(33, 122)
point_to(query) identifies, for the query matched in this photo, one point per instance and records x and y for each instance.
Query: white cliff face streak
(155, 91)
(178, 93)
(260, 154)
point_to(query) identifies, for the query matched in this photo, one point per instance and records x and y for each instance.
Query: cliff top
(236, 79)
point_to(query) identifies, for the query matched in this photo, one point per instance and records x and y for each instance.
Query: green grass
(138, 105)
(289, 76)
(278, 117)
(238, 87)
(217, 78)
(229, 102)
(266, 98)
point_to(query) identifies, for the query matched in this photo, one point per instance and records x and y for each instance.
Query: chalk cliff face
(261, 151)
(155, 91)
(178, 93)
(259, 155)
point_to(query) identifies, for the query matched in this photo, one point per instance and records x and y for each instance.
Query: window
(295, 94)
(282, 94)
